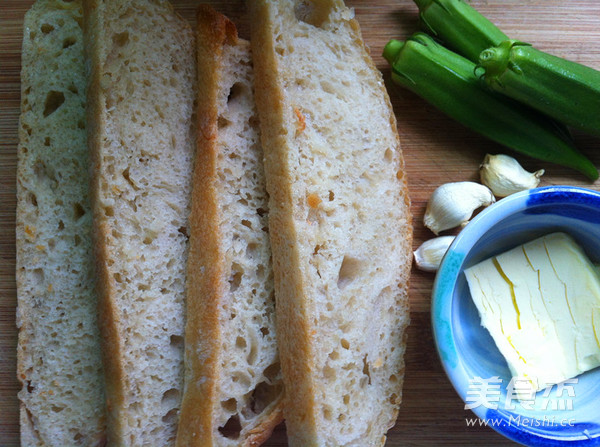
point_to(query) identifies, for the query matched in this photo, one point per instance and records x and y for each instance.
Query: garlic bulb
(505, 176)
(452, 204)
(429, 255)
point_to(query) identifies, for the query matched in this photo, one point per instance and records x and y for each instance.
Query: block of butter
(541, 303)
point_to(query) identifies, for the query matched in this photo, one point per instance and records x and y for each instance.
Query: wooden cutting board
(436, 151)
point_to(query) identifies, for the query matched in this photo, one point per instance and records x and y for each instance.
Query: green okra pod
(448, 81)
(564, 90)
(459, 26)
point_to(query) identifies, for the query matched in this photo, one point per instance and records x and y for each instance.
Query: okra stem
(448, 81)
(564, 90)
(459, 26)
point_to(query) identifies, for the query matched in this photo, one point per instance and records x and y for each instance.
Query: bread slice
(141, 96)
(233, 387)
(59, 362)
(340, 223)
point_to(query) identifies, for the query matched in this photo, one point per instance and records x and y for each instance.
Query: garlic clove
(452, 204)
(429, 255)
(505, 176)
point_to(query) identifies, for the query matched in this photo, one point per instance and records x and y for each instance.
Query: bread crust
(205, 255)
(118, 382)
(41, 386)
(296, 331)
(295, 348)
(108, 316)
(206, 281)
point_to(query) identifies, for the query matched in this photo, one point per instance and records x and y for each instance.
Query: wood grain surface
(436, 150)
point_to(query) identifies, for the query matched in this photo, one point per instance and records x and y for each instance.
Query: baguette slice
(141, 95)
(58, 354)
(340, 222)
(233, 387)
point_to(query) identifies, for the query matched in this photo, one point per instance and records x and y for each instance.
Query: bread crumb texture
(147, 75)
(250, 380)
(344, 170)
(59, 364)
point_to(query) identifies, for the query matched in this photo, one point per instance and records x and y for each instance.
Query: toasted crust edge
(299, 408)
(108, 317)
(205, 292)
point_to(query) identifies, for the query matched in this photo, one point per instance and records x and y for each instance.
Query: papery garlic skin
(505, 176)
(452, 205)
(429, 255)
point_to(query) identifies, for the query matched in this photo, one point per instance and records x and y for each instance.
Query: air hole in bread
(38, 276)
(46, 28)
(235, 93)
(365, 370)
(77, 240)
(247, 223)
(331, 196)
(327, 413)
(61, 225)
(242, 379)
(170, 398)
(183, 230)
(349, 271)
(68, 42)
(263, 395)
(264, 331)
(229, 405)
(388, 155)
(251, 359)
(47, 141)
(313, 13)
(261, 212)
(171, 416)
(272, 372)
(78, 211)
(236, 277)
(223, 122)
(127, 176)
(54, 99)
(56, 409)
(260, 271)
(232, 427)
(32, 198)
(30, 387)
(394, 399)
(345, 343)
(334, 355)
(329, 373)
(121, 39)
(109, 211)
(393, 378)
(117, 276)
(346, 399)
(176, 340)
(240, 343)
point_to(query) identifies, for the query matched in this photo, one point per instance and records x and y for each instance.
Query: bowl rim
(448, 273)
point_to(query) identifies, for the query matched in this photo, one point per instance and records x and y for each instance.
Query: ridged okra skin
(564, 90)
(448, 81)
(459, 26)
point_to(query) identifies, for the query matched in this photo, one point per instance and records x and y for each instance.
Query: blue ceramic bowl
(469, 355)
